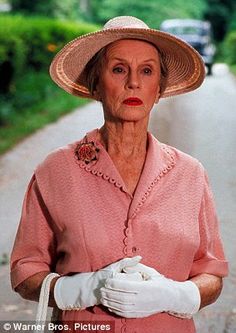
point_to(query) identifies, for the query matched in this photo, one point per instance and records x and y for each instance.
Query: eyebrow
(146, 60)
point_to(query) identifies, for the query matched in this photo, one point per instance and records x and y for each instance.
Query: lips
(134, 101)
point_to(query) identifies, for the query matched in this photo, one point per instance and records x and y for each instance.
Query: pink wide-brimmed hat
(185, 67)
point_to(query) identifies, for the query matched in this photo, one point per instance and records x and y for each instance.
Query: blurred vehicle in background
(196, 33)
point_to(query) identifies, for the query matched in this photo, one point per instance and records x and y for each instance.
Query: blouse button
(134, 249)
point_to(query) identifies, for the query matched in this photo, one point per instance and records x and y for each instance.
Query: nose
(133, 80)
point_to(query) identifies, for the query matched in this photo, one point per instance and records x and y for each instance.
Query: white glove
(83, 289)
(135, 299)
(145, 271)
(131, 276)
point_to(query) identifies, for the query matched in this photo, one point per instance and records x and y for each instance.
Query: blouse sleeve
(210, 256)
(34, 246)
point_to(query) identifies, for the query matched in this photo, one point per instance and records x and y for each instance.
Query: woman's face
(129, 83)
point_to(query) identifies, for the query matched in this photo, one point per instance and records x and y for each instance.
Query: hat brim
(185, 67)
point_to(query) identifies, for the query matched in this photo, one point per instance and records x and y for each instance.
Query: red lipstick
(133, 101)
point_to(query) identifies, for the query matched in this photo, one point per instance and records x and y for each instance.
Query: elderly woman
(126, 222)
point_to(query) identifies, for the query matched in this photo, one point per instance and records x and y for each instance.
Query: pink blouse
(79, 217)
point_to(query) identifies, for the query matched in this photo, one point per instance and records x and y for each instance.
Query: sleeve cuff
(211, 266)
(24, 271)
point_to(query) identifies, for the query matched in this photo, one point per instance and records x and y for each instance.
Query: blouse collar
(160, 159)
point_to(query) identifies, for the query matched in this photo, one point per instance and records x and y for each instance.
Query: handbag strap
(41, 315)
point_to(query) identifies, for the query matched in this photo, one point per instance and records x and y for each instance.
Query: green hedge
(229, 48)
(37, 101)
(31, 42)
(27, 94)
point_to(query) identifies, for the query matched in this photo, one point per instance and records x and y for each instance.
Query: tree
(153, 12)
(220, 14)
(84, 6)
(54, 8)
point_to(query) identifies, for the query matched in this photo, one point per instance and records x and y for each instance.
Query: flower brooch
(87, 152)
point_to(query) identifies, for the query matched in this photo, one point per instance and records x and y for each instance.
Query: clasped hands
(128, 289)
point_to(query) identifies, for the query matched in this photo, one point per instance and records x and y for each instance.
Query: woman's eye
(117, 70)
(147, 70)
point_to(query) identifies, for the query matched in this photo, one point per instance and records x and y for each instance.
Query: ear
(96, 94)
(158, 95)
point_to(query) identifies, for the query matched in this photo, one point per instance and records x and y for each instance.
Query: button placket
(131, 248)
(166, 168)
(128, 239)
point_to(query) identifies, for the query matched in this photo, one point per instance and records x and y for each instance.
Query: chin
(134, 114)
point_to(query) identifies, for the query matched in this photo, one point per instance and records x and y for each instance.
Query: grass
(31, 107)
(233, 69)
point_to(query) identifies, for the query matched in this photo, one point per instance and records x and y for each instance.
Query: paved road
(201, 123)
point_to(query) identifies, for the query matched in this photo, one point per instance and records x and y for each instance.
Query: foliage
(27, 94)
(220, 13)
(30, 43)
(68, 9)
(233, 69)
(153, 12)
(32, 106)
(232, 22)
(229, 48)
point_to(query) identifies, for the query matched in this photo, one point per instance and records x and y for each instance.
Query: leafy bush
(27, 94)
(32, 106)
(30, 43)
(229, 48)
(53, 8)
(153, 12)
